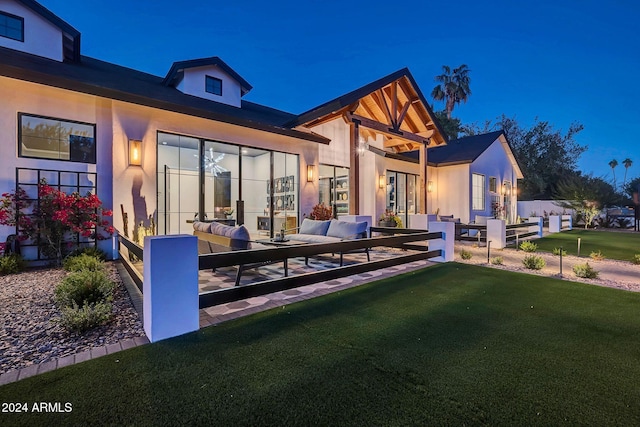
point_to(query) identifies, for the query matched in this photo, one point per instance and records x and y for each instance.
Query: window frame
(17, 18)
(474, 188)
(36, 116)
(493, 184)
(208, 79)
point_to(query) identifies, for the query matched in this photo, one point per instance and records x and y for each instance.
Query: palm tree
(453, 87)
(612, 164)
(627, 164)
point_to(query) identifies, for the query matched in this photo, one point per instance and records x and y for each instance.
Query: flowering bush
(227, 211)
(56, 218)
(321, 212)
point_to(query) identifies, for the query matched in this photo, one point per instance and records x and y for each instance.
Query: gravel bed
(29, 333)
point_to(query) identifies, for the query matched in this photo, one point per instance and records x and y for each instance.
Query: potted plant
(321, 212)
(228, 212)
(389, 219)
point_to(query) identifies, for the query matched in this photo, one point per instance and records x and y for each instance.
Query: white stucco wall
(116, 123)
(41, 100)
(40, 36)
(494, 162)
(193, 83)
(451, 193)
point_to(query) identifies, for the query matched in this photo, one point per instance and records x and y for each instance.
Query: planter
(386, 223)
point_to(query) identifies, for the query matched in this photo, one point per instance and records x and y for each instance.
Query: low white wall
(531, 208)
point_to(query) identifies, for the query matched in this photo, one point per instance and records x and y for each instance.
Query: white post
(170, 286)
(497, 233)
(536, 228)
(419, 221)
(446, 244)
(555, 223)
(570, 219)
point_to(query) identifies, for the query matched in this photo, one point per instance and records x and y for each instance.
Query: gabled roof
(462, 150)
(112, 81)
(468, 149)
(71, 36)
(406, 80)
(177, 71)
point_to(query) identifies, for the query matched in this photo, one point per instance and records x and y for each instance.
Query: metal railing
(406, 240)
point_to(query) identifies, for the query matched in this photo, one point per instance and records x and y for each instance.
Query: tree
(632, 187)
(585, 194)
(545, 155)
(612, 164)
(627, 164)
(453, 87)
(450, 125)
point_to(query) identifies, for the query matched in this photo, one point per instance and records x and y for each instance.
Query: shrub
(11, 264)
(556, 251)
(585, 271)
(321, 212)
(83, 288)
(83, 262)
(89, 250)
(534, 262)
(79, 319)
(528, 246)
(597, 256)
(636, 259)
(466, 255)
(497, 260)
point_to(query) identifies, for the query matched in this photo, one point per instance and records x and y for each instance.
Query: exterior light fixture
(504, 189)
(382, 181)
(309, 173)
(135, 152)
(429, 186)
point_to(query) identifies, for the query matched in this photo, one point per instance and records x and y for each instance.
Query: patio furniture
(330, 231)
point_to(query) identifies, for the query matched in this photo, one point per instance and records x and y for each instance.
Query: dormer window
(213, 85)
(11, 26)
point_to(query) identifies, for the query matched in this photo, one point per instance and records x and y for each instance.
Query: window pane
(478, 186)
(57, 139)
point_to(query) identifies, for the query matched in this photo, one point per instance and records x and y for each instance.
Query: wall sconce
(309, 173)
(362, 148)
(504, 189)
(135, 152)
(429, 186)
(382, 181)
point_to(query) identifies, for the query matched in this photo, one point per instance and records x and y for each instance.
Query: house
(481, 171)
(169, 149)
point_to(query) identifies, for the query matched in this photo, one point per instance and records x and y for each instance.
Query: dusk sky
(560, 61)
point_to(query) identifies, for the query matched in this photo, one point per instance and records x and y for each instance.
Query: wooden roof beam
(385, 129)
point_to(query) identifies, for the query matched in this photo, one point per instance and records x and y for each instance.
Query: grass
(613, 245)
(452, 344)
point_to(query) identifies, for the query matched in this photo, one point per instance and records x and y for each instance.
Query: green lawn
(450, 344)
(614, 245)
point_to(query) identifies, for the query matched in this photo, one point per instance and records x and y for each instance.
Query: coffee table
(281, 243)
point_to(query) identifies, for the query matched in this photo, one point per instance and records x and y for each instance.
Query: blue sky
(560, 61)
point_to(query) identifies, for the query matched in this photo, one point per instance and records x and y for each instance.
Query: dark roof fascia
(351, 97)
(50, 16)
(58, 22)
(177, 69)
(456, 163)
(395, 156)
(346, 99)
(37, 74)
(426, 105)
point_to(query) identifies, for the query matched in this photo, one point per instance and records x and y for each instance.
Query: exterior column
(354, 169)
(423, 180)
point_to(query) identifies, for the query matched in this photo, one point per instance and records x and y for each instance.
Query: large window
(50, 138)
(225, 183)
(402, 197)
(11, 26)
(334, 188)
(477, 192)
(213, 85)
